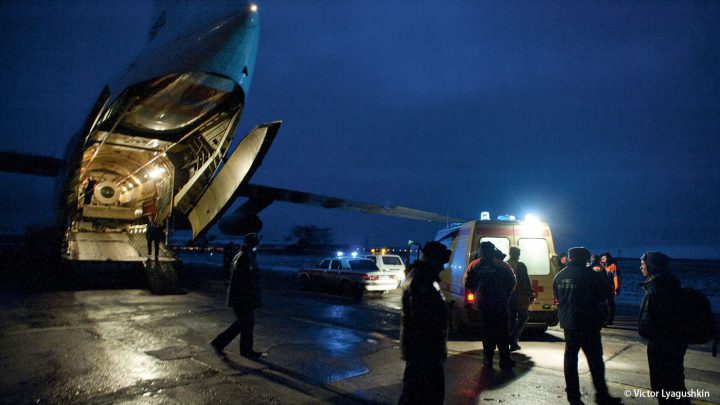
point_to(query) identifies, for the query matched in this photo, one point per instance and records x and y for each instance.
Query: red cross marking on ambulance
(537, 288)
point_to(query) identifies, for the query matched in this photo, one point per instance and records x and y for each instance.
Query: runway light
(353, 254)
(340, 254)
(253, 7)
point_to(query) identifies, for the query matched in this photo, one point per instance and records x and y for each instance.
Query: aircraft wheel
(163, 277)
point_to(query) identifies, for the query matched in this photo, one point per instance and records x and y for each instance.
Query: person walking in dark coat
(660, 323)
(89, 190)
(243, 296)
(581, 292)
(154, 234)
(423, 329)
(520, 299)
(493, 282)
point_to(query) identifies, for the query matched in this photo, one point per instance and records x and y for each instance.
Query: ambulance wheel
(304, 282)
(163, 277)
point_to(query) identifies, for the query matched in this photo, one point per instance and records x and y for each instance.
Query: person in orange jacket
(613, 273)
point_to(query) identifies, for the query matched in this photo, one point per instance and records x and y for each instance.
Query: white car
(353, 276)
(390, 263)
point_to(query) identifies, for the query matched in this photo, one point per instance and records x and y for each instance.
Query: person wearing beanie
(423, 329)
(666, 346)
(520, 299)
(243, 296)
(580, 292)
(613, 273)
(493, 281)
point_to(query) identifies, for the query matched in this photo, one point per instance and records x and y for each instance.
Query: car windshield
(362, 265)
(392, 260)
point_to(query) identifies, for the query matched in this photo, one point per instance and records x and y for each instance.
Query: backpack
(697, 322)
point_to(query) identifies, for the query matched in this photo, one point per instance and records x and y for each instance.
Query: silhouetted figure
(154, 233)
(423, 329)
(89, 190)
(580, 292)
(229, 252)
(658, 323)
(520, 299)
(493, 281)
(613, 273)
(243, 296)
(598, 268)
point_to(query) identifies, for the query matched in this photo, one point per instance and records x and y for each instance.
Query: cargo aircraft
(155, 146)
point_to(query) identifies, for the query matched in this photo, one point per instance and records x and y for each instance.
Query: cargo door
(235, 172)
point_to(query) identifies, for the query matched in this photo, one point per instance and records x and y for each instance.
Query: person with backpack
(661, 323)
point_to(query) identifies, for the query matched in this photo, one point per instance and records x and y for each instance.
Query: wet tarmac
(125, 345)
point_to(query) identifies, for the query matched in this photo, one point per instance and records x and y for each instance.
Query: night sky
(601, 118)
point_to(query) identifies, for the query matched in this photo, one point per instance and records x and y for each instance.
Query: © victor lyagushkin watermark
(692, 394)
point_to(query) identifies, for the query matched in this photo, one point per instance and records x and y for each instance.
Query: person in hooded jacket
(660, 323)
(423, 329)
(243, 296)
(493, 281)
(520, 299)
(580, 292)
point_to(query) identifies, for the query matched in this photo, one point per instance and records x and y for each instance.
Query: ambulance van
(537, 252)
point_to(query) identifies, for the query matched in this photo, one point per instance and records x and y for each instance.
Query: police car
(351, 275)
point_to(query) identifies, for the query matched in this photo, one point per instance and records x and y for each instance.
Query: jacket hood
(662, 280)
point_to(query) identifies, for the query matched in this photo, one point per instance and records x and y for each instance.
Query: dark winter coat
(244, 288)
(154, 232)
(581, 293)
(522, 295)
(423, 322)
(660, 318)
(492, 282)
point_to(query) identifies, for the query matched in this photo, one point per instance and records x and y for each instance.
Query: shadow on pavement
(473, 378)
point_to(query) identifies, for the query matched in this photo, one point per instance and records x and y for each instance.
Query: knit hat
(656, 262)
(487, 249)
(578, 255)
(436, 250)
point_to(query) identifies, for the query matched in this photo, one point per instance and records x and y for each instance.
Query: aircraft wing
(244, 218)
(14, 162)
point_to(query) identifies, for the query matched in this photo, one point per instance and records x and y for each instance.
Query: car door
(334, 274)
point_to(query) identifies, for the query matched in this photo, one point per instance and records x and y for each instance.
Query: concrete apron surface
(127, 346)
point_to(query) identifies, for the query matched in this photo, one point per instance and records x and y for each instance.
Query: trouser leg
(157, 248)
(522, 318)
(423, 383)
(512, 323)
(667, 371)
(224, 338)
(611, 309)
(149, 247)
(247, 324)
(592, 347)
(489, 335)
(503, 338)
(570, 367)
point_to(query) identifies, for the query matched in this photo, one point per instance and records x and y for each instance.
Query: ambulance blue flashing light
(485, 216)
(506, 217)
